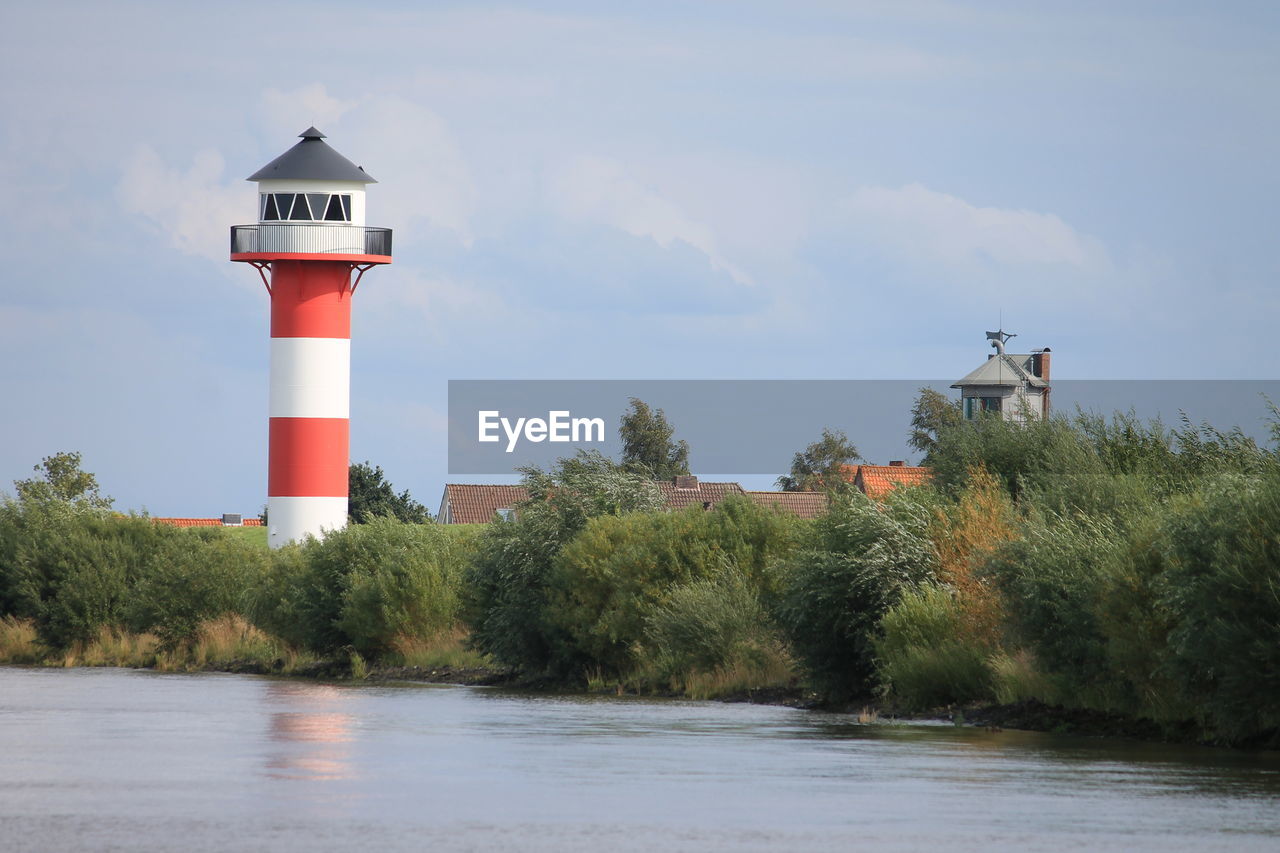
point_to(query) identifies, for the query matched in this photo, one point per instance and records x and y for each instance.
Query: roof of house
(311, 160)
(701, 494)
(203, 522)
(876, 481)
(1003, 369)
(471, 503)
(802, 504)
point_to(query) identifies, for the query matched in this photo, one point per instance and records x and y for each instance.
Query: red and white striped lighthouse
(311, 248)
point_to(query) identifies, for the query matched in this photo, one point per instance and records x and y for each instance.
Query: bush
(606, 582)
(925, 656)
(507, 584)
(710, 625)
(1053, 581)
(1223, 592)
(363, 586)
(72, 569)
(202, 576)
(860, 558)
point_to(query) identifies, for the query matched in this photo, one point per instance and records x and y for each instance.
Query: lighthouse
(311, 248)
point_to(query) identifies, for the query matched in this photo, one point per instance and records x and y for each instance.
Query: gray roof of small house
(311, 160)
(1003, 369)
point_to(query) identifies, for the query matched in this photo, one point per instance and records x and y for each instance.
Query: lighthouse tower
(311, 248)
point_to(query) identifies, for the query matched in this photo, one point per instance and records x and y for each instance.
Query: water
(132, 760)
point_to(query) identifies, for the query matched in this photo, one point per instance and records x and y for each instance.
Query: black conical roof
(311, 160)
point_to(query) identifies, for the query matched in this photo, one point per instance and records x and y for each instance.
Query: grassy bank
(1106, 569)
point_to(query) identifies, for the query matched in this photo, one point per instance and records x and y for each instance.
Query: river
(112, 759)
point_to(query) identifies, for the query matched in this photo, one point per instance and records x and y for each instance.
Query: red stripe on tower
(310, 236)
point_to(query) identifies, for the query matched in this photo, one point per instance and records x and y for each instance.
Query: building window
(306, 207)
(975, 405)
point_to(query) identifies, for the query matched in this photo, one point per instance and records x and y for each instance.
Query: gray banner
(755, 426)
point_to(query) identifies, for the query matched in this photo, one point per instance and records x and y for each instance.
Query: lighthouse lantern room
(311, 247)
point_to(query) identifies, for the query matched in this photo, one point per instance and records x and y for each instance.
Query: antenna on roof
(999, 339)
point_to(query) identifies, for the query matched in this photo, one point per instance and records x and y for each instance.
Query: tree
(931, 414)
(647, 446)
(61, 479)
(371, 496)
(818, 465)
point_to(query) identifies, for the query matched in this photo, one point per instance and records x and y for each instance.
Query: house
(1014, 385)
(469, 503)
(477, 504)
(876, 481)
(800, 504)
(227, 520)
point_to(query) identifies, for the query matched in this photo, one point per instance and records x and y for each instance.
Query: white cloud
(598, 190)
(192, 206)
(921, 224)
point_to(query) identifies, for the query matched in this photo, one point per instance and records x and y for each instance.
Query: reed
(445, 649)
(18, 641)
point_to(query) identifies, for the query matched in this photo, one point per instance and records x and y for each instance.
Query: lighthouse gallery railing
(310, 238)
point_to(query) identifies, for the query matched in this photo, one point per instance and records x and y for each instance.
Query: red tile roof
(202, 522)
(802, 504)
(876, 481)
(704, 494)
(471, 503)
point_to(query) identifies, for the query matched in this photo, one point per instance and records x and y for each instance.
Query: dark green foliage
(507, 584)
(647, 447)
(932, 414)
(1053, 581)
(371, 496)
(203, 575)
(362, 587)
(1224, 596)
(608, 580)
(818, 465)
(861, 557)
(73, 570)
(924, 656)
(62, 480)
(709, 624)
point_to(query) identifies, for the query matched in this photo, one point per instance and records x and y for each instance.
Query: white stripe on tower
(310, 378)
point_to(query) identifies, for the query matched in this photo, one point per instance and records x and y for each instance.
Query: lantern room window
(305, 207)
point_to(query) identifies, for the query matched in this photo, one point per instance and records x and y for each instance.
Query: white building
(1014, 385)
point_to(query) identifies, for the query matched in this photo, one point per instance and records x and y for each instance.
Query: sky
(842, 190)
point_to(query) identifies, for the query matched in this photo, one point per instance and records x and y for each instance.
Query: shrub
(1223, 591)
(715, 624)
(925, 656)
(73, 569)
(1053, 580)
(202, 576)
(507, 584)
(609, 578)
(859, 559)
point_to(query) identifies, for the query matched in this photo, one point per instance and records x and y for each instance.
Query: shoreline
(1029, 716)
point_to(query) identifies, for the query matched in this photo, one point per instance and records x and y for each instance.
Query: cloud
(192, 206)
(920, 224)
(598, 190)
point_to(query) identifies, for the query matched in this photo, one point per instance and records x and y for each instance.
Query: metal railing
(310, 238)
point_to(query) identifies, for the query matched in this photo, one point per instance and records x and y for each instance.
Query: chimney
(897, 463)
(687, 481)
(1040, 363)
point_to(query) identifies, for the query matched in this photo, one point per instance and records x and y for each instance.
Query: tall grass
(447, 649)
(18, 641)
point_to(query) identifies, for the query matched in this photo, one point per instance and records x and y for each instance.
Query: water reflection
(310, 729)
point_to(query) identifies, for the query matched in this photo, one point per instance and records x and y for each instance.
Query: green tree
(507, 584)
(818, 465)
(62, 479)
(371, 496)
(932, 413)
(647, 446)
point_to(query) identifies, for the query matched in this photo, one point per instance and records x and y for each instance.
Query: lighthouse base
(292, 519)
